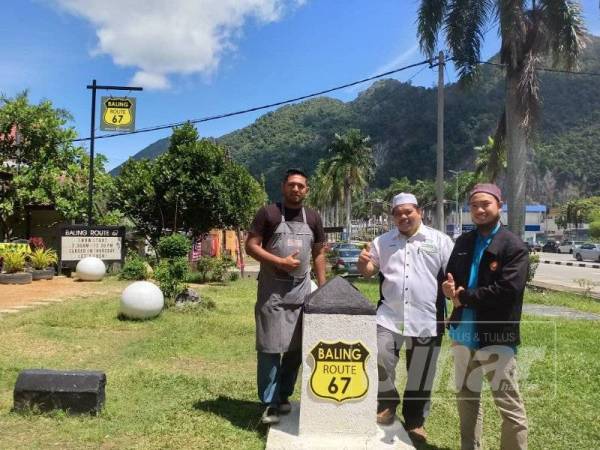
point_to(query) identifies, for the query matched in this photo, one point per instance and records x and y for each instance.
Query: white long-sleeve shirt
(409, 288)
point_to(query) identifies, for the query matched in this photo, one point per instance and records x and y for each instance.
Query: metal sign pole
(94, 87)
(92, 137)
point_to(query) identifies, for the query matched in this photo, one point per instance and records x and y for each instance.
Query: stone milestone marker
(338, 404)
(77, 392)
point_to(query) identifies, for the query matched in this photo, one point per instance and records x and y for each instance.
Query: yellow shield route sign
(118, 114)
(339, 373)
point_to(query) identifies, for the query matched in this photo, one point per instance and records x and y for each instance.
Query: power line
(316, 94)
(546, 69)
(258, 108)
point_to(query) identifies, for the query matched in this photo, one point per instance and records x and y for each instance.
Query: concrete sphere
(90, 269)
(142, 300)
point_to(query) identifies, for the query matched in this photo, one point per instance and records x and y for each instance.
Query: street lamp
(456, 174)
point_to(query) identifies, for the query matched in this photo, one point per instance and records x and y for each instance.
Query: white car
(569, 246)
(589, 252)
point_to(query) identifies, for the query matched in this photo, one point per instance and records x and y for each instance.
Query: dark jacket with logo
(498, 297)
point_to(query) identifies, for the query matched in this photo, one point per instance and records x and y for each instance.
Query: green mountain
(401, 121)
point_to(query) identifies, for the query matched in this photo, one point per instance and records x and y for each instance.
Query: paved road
(560, 257)
(562, 275)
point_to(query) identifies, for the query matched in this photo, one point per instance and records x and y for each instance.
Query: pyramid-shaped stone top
(338, 296)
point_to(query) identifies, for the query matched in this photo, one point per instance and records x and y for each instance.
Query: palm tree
(323, 195)
(490, 161)
(350, 166)
(530, 31)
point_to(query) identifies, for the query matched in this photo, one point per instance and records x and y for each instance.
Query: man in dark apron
(283, 237)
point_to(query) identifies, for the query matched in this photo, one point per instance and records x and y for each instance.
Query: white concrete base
(320, 415)
(284, 436)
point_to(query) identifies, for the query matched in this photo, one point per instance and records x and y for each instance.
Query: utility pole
(94, 87)
(439, 179)
(456, 173)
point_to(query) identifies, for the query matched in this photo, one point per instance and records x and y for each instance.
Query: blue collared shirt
(465, 332)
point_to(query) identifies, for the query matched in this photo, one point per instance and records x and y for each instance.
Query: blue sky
(198, 58)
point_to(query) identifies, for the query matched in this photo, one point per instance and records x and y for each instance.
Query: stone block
(77, 392)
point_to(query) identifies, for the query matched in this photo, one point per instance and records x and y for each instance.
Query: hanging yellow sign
(118, 114)
(339, 373)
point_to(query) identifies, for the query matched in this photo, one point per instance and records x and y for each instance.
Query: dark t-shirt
(268, 218)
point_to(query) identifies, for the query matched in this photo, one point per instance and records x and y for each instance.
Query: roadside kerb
(573, 264)
(562, 288)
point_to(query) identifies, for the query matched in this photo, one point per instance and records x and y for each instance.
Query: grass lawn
(187, 379)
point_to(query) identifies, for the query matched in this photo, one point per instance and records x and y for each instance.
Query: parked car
(343, 246)
(533, 246)
(336, 247)
(588, 251)
(550, 247)
(569, 246)
(346, 262)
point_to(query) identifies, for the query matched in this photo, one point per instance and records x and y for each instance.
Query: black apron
(278, 310)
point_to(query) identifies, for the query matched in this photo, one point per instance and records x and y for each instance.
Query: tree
(45, 168)
(545, 28)
(490, 161)
(193, 187)
(349, 166)
(577, 212)
(595, 226)
(325, 192)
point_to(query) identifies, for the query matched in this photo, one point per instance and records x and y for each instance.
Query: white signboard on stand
(105, 243)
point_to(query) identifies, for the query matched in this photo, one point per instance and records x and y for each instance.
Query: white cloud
(395, 63)
(165, 37)
(398, 61)
(151, 80)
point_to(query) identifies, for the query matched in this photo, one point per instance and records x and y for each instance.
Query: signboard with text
(79, 241)
(118, 114)
(339, 372)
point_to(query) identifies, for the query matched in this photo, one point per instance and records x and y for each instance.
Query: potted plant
(13, 267)
(42, 261)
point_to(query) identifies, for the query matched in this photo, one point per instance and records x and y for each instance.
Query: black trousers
(421, 362)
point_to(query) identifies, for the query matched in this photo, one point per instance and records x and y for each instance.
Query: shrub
(534, 261)
(221, 269)
(174, 246)
(170, 275)
(134, 269)
(205, 266)
(13, 261)
(214, 269)
(36, 242)
(42, 258)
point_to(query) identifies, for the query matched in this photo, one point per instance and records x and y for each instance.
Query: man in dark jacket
(486, 277)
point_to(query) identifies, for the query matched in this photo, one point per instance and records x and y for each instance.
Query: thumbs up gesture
(289, 263)
(365, 264)
(448, 286)
(451, 291)
(365, 255)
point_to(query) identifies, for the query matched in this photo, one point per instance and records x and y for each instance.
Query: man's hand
(289, 263)
(365, 264)
(365, 255)
(449, 287)
(451, 291)
(455, 300)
